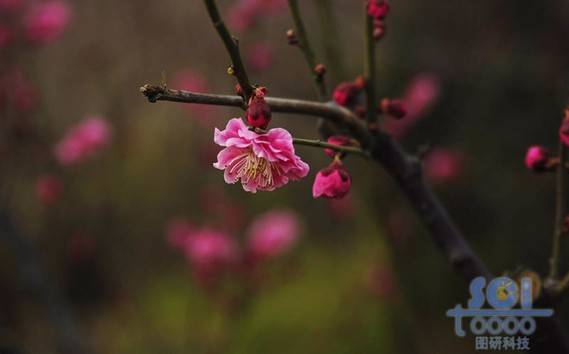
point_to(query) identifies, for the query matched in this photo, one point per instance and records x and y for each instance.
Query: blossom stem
(306, 48)
(232, 45)
(369, 69)
(559, 215)
(325, 145)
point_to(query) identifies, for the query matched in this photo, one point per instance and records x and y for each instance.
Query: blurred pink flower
(46, 21)
(537, 158)
(10, 5)
(192, 80)
(83, 141)
(189, 80)
(246, 13)
(273, 233)
(260, 56)
(443, 165)
(177, 232)
(209, 252)
(421, 94)
(334, 181)
(261, 162)
(48, 189)
(208, 247)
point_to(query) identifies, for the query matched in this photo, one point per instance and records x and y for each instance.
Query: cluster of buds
(258, 111)
(346, 93)
(378, 10)
(333, 181)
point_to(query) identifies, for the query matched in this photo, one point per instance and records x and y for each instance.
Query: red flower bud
(537, 158)
(345, 93)
(340, 140)
(333, 181)
(258, 112)
(395, 108)
(378, 9)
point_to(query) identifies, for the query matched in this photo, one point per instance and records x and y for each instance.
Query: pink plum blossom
(246, 13)
(46, 21)
(333, 181)
(48, 189)
(177, 232)
(273, 233)
(83, 141)
(209, 252)
(421, 94)
(443, 165)
(262, 162)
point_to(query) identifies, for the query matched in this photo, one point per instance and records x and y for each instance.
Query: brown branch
(329, 111)
(232, 46)
(325, 145)
(406, 172)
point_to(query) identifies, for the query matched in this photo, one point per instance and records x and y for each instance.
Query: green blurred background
(353, 284)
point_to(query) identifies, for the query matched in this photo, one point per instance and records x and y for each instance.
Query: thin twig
(331, 38)
(369, 70)
(559, 215)
(325, 145)
(306, 49)
(232, 46)
(329, 111)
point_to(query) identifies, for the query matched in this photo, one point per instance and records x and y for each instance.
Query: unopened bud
(320, 70)
(291, 36)
(538, 159)
(258, 112)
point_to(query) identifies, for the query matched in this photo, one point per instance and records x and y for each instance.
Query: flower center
(252, 168)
